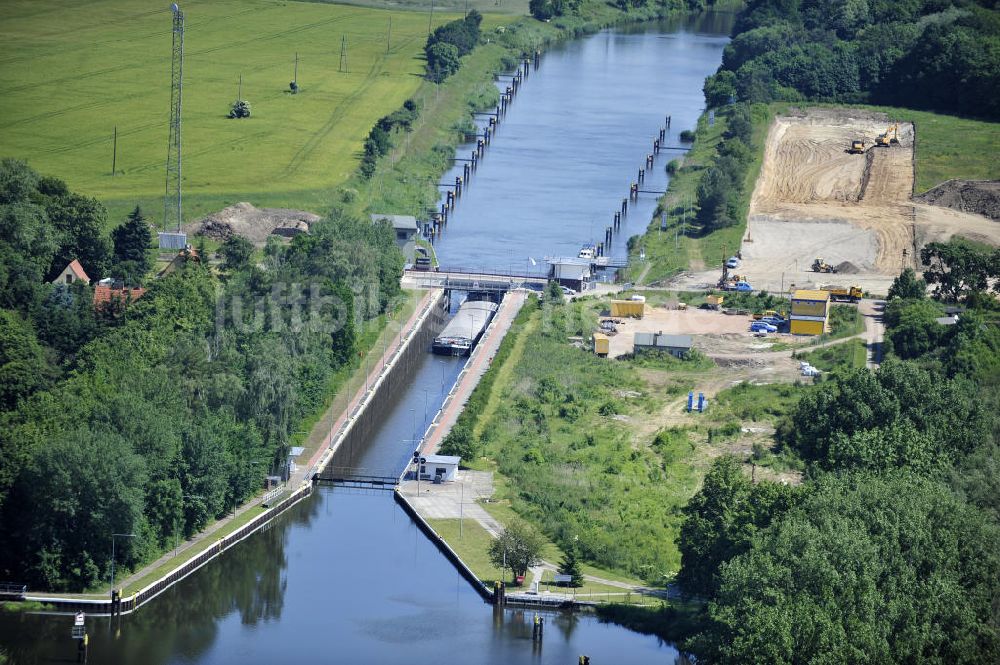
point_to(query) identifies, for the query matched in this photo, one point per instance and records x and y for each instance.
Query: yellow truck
(844, 293)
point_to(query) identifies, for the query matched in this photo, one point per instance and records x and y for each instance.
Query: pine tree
(571, 566)
(132, 240)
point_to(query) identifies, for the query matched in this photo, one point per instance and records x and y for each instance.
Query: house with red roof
(106, 295)
(72, 273)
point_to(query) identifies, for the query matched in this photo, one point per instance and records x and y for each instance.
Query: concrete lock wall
(389, 390)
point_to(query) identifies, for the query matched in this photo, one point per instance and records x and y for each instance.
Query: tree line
(379, 140)
(160, 420)
(887, 552)
(939, 55)
(721, 187)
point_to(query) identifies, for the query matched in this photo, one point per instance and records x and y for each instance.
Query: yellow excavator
(857, 147)
(889, 138)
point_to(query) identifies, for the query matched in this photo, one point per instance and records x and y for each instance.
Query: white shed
(439, 465)
(571, 272)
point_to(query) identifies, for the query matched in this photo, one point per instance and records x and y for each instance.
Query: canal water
(573, 141)
(346, 576)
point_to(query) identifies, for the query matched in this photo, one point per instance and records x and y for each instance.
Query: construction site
(835, 191)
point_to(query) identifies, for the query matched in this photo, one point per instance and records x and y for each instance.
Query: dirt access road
(814, 199)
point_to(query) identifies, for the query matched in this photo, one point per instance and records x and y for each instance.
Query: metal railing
(13, 589)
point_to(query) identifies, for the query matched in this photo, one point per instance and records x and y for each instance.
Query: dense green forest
(887, 552)
(939, 55)
(157, 417)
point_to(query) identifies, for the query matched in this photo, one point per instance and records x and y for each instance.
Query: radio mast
(172, 194)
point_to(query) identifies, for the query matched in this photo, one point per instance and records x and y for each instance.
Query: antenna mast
(172, 194)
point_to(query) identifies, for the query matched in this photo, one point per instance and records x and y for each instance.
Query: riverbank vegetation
(405, 179)
(891, 529)
(155, 416)
(701, 219)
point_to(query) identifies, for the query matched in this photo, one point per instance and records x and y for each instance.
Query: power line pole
(295, 74)
(343, 54)
(114, 153)
(430, 18)
(172, 190)
(239, 89)
(388, 36)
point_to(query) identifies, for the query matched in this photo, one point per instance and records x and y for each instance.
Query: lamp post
(113, 536)
(177, 538)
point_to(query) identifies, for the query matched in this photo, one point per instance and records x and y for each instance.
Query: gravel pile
(980, 197)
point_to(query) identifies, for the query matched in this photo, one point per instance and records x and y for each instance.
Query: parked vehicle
(819, 265)
(844, 293)
(739, 286)
(758, 326)
(773, 320)
(732, 262)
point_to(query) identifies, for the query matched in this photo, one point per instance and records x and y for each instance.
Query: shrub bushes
(449, 43)
(379, 141)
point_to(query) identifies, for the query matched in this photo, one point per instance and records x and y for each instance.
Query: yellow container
(602, 345)
(628, 308)
(807, 327)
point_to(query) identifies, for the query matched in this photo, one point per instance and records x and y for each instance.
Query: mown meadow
(72, 71)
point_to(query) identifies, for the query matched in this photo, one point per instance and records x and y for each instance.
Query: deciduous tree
(518, 547)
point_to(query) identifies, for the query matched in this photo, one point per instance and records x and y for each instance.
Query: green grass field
(71, 71)
(517, 7)
(852, 354)
(566, 461)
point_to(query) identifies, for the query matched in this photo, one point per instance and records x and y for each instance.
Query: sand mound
(254, 224)
(980, 197)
